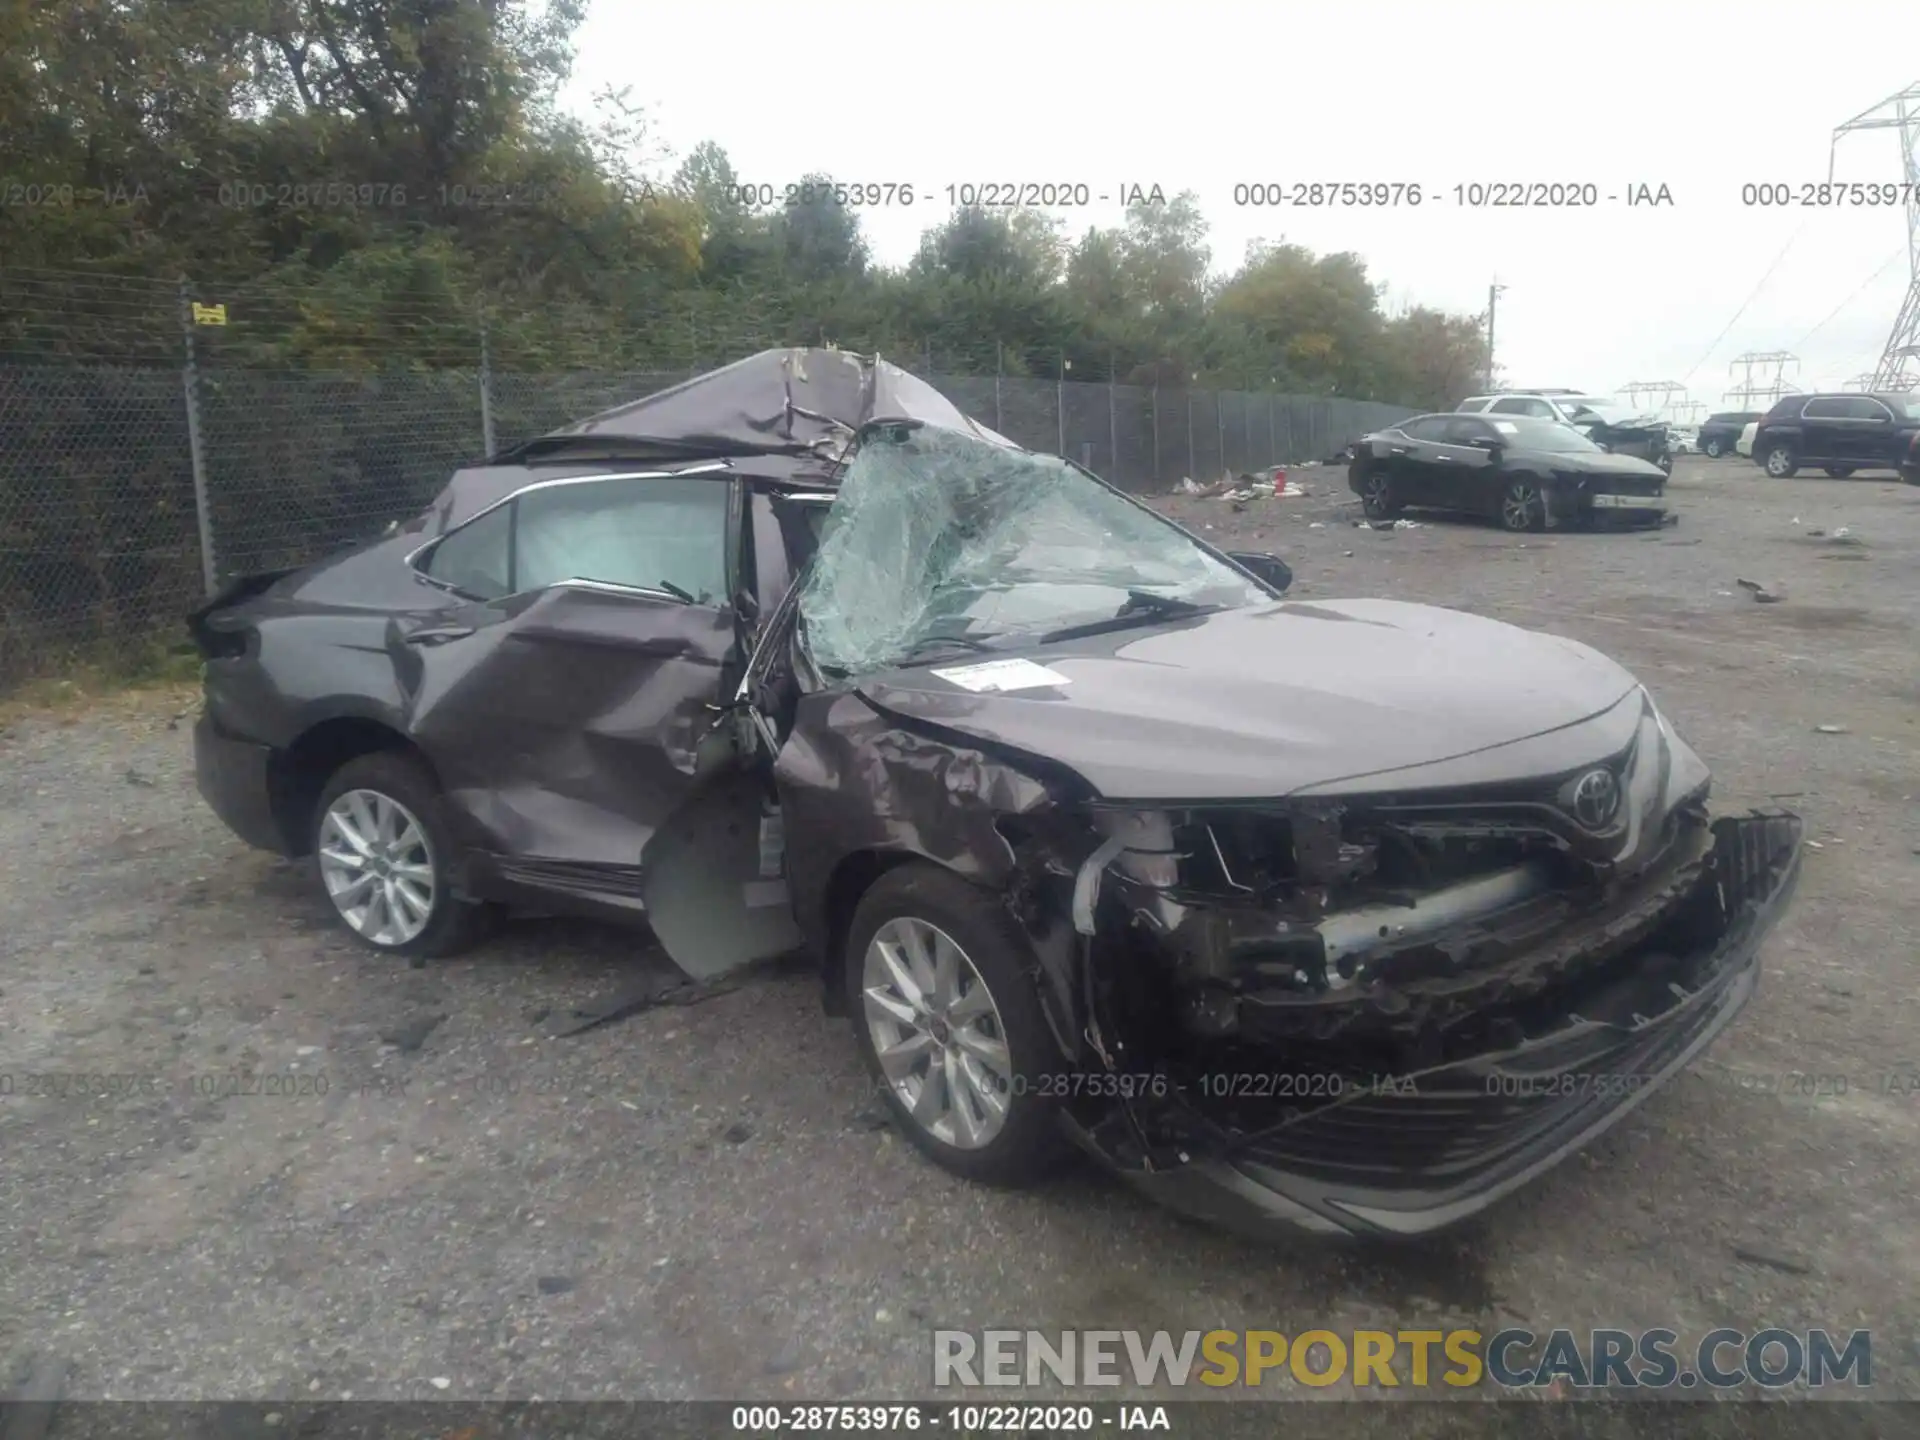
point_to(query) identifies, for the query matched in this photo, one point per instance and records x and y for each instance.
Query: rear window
(1789, 406)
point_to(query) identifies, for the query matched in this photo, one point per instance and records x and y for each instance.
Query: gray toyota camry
(1350, 915)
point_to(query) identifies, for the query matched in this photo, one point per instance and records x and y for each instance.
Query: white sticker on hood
(994, 676)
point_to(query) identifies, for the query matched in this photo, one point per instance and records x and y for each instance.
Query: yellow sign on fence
(209, 314)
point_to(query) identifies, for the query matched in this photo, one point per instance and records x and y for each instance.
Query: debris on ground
(30, 1414)
(1830, 730)
(1190, 486)
(410, 1035)
(1754, 1255)
(871, 1116)
(648, 995)
(1765, 595)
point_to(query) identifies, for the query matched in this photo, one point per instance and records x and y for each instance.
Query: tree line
(377, 174)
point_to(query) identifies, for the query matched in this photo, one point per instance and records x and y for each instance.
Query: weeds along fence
(130, 486)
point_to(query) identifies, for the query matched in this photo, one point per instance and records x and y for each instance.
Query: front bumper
(1627, 504)
(1411, 1155)
(233, 777)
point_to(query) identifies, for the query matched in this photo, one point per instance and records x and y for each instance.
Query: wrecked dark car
(1527, 474)
(1350, 916)
(1622, 430)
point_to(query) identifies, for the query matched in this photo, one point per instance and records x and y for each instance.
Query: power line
(1864, 286)
(1748, 301)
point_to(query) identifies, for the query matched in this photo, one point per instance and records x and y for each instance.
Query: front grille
(1612, 1035)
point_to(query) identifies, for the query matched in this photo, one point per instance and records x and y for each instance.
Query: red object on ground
(1279, 480)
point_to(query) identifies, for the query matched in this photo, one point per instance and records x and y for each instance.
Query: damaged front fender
(868, 788)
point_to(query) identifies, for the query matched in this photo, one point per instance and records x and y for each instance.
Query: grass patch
(134, 675)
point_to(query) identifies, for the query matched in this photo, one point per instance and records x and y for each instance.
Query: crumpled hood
(1609, 464)
(1270, 701)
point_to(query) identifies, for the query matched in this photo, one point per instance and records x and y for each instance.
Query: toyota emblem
(1596, 797)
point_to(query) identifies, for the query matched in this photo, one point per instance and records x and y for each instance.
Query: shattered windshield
(939, 534)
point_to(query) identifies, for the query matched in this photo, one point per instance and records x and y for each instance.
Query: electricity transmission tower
(1664, 394)
(1861, 382)
(1749, 390)
(1899, 367)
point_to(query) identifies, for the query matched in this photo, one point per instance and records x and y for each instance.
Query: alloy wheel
(937, 1033)
(377, 867)
(1520, 506)
(1379, 496)
(1713, 449)
(1779, 462)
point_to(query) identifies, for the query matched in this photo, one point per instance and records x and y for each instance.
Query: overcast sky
(1702, 98)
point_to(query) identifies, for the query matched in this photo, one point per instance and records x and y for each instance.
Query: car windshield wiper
(945, 642)
(1142, 607)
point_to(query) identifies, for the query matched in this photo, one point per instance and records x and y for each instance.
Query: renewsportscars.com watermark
(1772, 1358)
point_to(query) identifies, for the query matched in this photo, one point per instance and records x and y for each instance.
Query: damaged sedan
(1346, 916)
(1528, 474)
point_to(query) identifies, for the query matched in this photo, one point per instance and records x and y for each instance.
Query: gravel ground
(696, 1201)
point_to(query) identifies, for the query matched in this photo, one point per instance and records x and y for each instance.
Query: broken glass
(935, 531)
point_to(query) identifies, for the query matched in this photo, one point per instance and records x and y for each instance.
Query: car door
(569, 703)
(1470, 477)
(1824, 425)
(1413, 460)
(1869, 437)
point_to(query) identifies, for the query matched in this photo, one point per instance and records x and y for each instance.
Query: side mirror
(1270, 568)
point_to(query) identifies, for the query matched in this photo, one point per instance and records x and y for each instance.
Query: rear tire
(1713, 449)
(1781, 462)
(384, 860)
(941, 971)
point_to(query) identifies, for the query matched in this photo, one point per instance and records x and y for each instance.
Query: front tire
(1523, 508)
(1780, 462)
(1377, 496)
(1713, 449)
(383, 856)
(949, 1023)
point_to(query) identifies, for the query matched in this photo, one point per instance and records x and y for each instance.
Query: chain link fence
(128, 490)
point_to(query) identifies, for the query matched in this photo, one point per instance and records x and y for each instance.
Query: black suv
(1718, 432)
(1841, 433)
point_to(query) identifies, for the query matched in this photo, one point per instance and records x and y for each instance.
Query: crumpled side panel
(852, 780)
(569, 728)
